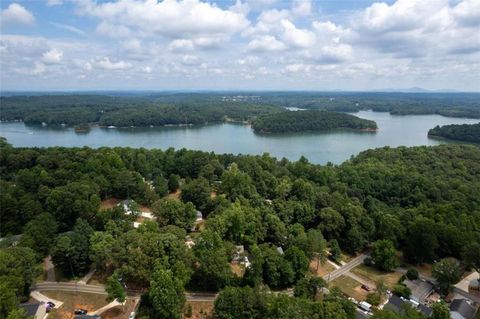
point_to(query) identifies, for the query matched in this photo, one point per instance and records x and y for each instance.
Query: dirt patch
(213, 195)
(237, 269)
(322, 269)
(71, 300)
(200, 309)
(145, 209)
(109, 203)
(175, 195)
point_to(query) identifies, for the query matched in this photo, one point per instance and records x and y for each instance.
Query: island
(309, 121)
(459, 132)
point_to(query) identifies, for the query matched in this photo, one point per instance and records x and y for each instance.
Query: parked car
(79, 311)
(365, 287)
(132, 315)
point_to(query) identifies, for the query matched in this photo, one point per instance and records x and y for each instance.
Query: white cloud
(299, 38)
(52, 56)
(265, 43)
(301, 8)
(170, 18)
(16, 14)
(147, 69)
(107, 64)
(181, 45)
(189, 60)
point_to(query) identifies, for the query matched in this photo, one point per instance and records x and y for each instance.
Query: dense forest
(459, 132)
(309, 121)
(423, 201)
(123, 111)
(144, 109)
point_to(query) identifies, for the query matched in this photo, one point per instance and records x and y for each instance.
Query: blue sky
(239, 44)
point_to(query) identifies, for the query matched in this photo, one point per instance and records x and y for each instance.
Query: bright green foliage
(383, 255)
(213, 271)
(161, 186)
(39, 234)
(440, 311)
(18, 313)
(335, 252)
(447, 272)
(18, 270)
(166, 294)
(402, 290)
(460, 132)
(198, 192)
(308, 287)
(71, 252)
(236, 183)
(114, 288)
(173, 212)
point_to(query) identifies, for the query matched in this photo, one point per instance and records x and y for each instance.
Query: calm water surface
(335, 147)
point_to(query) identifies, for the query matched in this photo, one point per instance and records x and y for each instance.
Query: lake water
(335, 147)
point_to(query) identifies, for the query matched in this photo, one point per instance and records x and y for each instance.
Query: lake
(335, 147)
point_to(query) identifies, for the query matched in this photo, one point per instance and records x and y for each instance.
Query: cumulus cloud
(52, 56)
(170, 18)
(54, 2)
(16, 14)
(302, 8)
(299, 38)
(265, 43)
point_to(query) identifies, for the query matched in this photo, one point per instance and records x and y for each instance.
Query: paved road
(71, 286)
(345, 268)
(197, 296)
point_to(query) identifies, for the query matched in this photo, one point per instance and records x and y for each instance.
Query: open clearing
(71, 300)
(350, 287)
(372, 274)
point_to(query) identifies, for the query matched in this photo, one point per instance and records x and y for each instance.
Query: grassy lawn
(350, 287)
(175, 195)
(200, 309)
(372, 274)
(322, 269)
(71, 300)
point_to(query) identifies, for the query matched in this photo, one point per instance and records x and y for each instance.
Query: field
(200, 309)
(322, 269)
(350, 287)
(372, 274)
(71, 300)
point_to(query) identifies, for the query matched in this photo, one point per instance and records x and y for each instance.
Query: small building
(462, 309)
(37, 310)
(399, 304)
(199, 216)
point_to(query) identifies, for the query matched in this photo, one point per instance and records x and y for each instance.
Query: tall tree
(166, 293)
(383, 255)
(447, 272)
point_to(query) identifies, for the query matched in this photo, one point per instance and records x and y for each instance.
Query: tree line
(459, 132)
(309, 121)
(421, 200)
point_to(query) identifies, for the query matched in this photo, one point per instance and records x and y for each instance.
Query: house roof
(31, 308)
(425, 310)
(395, 303)
(461, 306)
